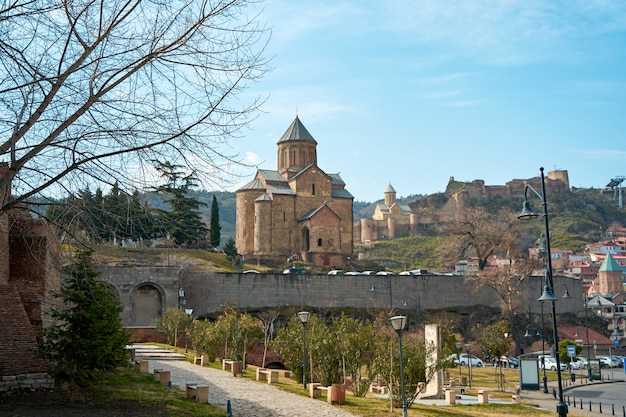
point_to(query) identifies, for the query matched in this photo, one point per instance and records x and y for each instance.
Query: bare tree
(475, 232)
(90, 91)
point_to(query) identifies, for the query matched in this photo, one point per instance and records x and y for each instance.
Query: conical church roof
(297, 131)
(609, 263)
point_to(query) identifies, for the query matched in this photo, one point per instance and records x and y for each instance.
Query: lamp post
(458, 356)
(418, 308)
(181, 297)
(374, 289)
(468, 346)
(617, 333)
(304, 318)
(539, 334)
(188, 312)
(587, 340)
(548, 294)
(398, 323)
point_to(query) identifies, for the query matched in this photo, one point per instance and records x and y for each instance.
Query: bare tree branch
(91, 92)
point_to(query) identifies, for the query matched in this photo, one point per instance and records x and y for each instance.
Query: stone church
(390, 219)
(298, 212)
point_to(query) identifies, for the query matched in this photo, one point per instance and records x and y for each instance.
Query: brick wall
(17, 336)
(29, 272)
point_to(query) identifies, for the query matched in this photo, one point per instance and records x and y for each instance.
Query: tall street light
(587, 339)
(617, 332)
(548, 294)
(398, 323)
(304, 318)
(188, 312)
(458, 357)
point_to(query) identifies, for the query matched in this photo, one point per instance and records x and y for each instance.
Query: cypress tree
(215, 227)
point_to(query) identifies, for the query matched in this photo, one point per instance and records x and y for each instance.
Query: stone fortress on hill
(391, 219)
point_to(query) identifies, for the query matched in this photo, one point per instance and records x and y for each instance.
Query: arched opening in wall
(146, 303)
(306, 239)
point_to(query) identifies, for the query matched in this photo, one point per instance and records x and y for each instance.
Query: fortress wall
(206, 291)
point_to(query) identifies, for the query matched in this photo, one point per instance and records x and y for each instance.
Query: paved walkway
(253, 399)
(248, 398)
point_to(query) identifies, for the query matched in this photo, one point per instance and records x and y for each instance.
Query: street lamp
(304, 318)
(181, 297)
(398, 323)
(539, 334)
(587, 340)
(617, 333)
(548, 295)
(418, 306)
(188, 312)
(468, 346)
(458, 356)
(374, 289)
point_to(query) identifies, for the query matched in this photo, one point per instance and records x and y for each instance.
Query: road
(607, 395)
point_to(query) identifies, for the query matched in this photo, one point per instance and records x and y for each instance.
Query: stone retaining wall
(26, 381)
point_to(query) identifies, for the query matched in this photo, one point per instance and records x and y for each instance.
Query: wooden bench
(378, 389)
(162, 376)
(483, 396)
(141, 366)
(200, 393)
(232, 366)
(269, 375)
(335, 393)
(200, 360)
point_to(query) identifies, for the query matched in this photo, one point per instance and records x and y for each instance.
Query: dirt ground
(48, 403)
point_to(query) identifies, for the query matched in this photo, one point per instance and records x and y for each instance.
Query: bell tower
(296, 149)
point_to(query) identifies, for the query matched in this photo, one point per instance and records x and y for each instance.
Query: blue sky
(415, 92)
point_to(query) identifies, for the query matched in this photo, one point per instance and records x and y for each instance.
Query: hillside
(577, 218)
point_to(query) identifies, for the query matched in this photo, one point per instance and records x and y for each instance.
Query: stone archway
(146, 305)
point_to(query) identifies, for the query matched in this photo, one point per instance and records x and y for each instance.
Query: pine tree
(89, 339)
(215, 227)
(183, 221)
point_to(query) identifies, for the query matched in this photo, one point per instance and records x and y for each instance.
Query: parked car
(475, 361)
(295, 271)
(607, 361)
(336, 272)
(386, 273)
(549, 363)
(584, 363)
(251, 271)
(575, 365)
(353, 273)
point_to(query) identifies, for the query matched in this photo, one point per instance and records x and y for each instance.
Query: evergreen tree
(215, 228)
(89, 339)
(183, 221)
(230, 249)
